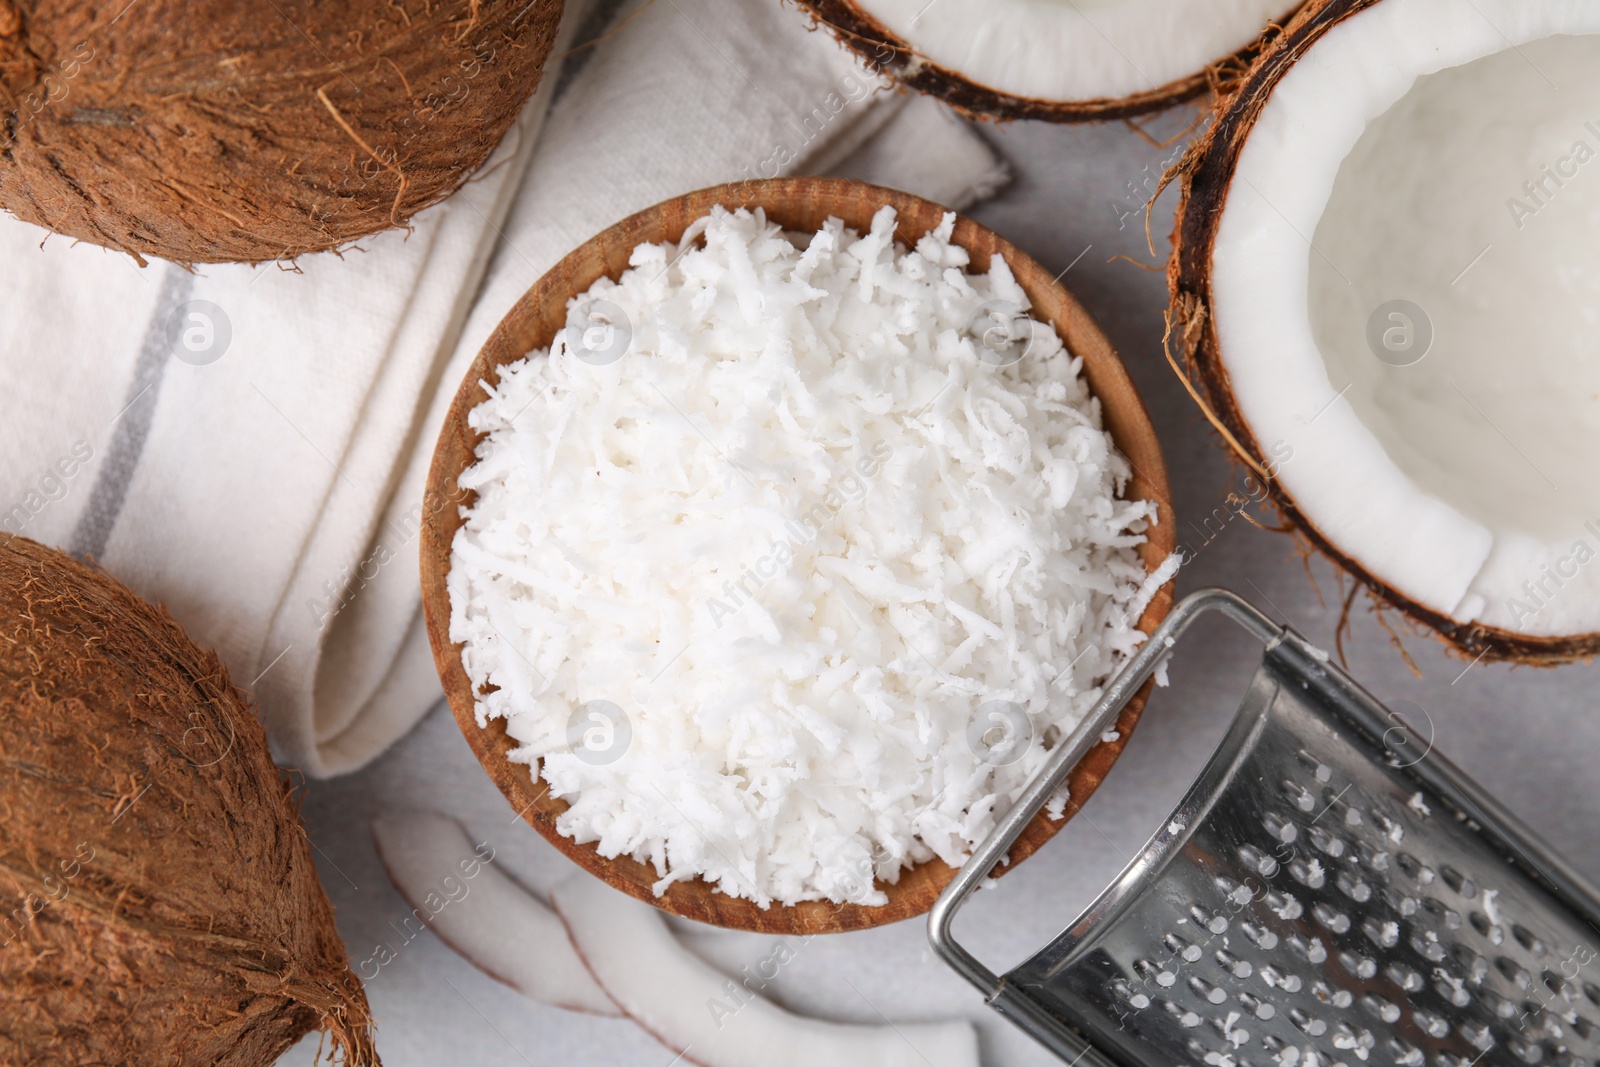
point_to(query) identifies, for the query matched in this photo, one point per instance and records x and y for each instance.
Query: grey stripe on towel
(93, 531)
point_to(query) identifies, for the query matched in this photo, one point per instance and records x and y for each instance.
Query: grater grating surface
(1328, 894)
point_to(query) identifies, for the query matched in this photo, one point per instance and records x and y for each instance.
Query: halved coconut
(1388, 280)
(1062, 60)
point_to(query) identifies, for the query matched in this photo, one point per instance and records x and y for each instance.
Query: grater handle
(1072, 749)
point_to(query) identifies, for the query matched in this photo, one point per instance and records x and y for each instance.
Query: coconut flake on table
(715, 1020)
(494, 923)
(793, 538)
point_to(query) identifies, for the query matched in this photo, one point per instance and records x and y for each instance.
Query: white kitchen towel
(247, 444)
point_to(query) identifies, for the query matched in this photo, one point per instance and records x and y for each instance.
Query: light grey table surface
(1529, 735)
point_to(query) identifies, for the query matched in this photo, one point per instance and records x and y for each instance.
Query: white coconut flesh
(1448, 157)
(1060, 50)
(715, 1020)
(493, 922)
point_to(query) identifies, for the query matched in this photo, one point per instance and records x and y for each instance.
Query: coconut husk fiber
(213, 131)
(158, 902)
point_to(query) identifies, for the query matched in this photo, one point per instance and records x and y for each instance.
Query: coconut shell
(209, 131)
(158, 902)
(1206, 173)
(889, 54)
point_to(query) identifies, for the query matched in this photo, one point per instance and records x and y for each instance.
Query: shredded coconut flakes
(797, 534)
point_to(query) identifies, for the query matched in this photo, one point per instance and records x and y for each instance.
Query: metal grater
(1330, 893)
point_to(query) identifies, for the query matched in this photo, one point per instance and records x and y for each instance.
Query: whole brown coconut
(889, 54)
(158, 903)
(1206, 173)
(208, 131)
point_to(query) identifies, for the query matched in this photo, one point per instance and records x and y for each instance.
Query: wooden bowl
(801, 204)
